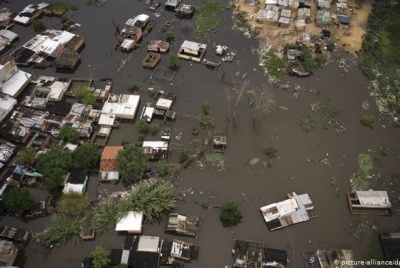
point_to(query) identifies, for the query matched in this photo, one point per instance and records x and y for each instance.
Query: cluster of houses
(284, 12)
(59, 48)
(153, 251)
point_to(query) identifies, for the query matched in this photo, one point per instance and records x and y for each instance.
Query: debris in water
(254, 161)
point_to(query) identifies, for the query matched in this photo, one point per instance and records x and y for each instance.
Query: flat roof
(106, 120)
(57, 89)
(373, 198)
(148, 243)
(70, 187)
(11, 36)
(14, 85)
(164, 103)
(6, 106)
(192, 46)
(125, 107)
(156, 144)
(132, 222)
(62, 37)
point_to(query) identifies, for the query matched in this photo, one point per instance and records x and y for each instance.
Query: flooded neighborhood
(197, 134)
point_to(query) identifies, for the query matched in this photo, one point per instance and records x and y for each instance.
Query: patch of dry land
(348, 37)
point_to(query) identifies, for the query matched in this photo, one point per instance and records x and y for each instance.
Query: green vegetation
(132, 163)
(145, 128)
(73, 203)
(394, 186)
(365, 105)
(68, 133)
(205, 107)
(385, 150)
(58, 7)
(207, 20)
(214, 159)
(17, 201)
(381, 57)
(320, 61)
(26, 157)
(333, 119)
(134, 86)
(38, 26)
(74, 7)
(54, 165)
(185, 155)
(85, 95)
(241, 22)
(274, 66)
(105, 217)
(86, 155)
(63, 229)
(162, 168)
(230, 213)
(307, 123)
(169, 36)
(361, 180)
(367, 121)
(100, 257)
(271, 153)
(330, 46)
(173, 60)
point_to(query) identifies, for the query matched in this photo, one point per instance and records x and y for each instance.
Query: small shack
(151, 60)
(362, 201)
(269, 15)
(344, 21)
(391, 246)
(183, 250)
(192, 51)
(156, 150)
(275, 258)
(172, 4)
(185, 11)
(219, 141)
(132, 223)
(76, 181)
(325, 258)
(323, 18)
(8, 252)
(14, 234)
(108, 163)
(248, 254)
(300, 24)
(157, 46)
(182, 224)
(293, 210)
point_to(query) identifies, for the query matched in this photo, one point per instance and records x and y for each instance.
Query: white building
(13, 80)
(132, 223)
(6, 105)
(121, 106)
(29, 13)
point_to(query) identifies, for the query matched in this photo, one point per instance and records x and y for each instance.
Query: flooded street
(306, 162)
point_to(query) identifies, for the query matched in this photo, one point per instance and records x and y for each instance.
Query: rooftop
(132, 222)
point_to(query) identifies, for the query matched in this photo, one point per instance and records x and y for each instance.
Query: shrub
(205, 107)
(162, 168)
(368, 121)
(173, 60)
(38, 26)
(74, 7)
(330, 46)
(100, 257)
(169, 36)
(184, 156)
(230, 213)
(143, 127)
(154, 129)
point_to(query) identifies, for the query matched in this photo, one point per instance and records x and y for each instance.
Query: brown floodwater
(298, 166)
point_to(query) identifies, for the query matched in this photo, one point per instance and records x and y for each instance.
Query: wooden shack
(184, 11)
(157, 46)
(151, 60)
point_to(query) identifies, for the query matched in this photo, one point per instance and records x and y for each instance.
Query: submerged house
(132, 33)
(182, 224)
(293, 210)
(184, 11)
(6, 17)
(8, 252)
(192, 51)
(362, 201)
(76, 181)
(156, 150)
(14, 234)
(132, 223)
(108, 163)
(391, 246)
(328, 258)
(157, 46)
(248, 254)
(30, 13)
(276, 258)
(12, 80)
(7, 104)
(184, 250)
(172, 4)
(121, 106)
(6, 38)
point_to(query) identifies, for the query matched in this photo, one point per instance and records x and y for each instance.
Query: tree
(38, 26)
(18, 200)
(230, 213)
(154, 128)
(162, 168)
(68, 133)
(85, 95)
(132, 163)
(73, 203)
(262, 100)
(27, 157)
(270, 152)
(54, 164)
(169, 36)
(234, 95)
(172, 60)
(86, 155)
(100, 257)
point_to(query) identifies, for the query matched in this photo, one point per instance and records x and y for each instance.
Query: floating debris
(254, 161)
